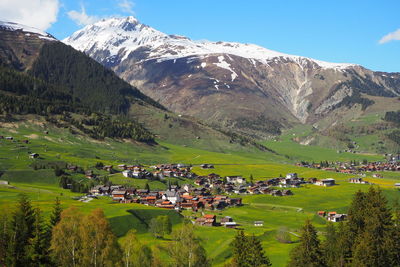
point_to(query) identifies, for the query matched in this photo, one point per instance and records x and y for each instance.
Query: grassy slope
(286, 145)
(60, 145)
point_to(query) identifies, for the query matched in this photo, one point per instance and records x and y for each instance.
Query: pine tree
(239, 245)
(308, 252)
(373, 246)
(5, 235)
(248, 251)
(395, 234)
(330, 246)
(38, 248)
(255, 253)
(22, 226)
(55, 216)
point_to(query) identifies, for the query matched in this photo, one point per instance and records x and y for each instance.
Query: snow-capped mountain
(238, 85)
(121, 37)
(11, 26)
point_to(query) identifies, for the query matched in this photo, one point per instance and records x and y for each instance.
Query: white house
(325, 182)
(291, 176)
(258, 223)
(127, 173)
(337, 217)
(172, 196)
(235, 179)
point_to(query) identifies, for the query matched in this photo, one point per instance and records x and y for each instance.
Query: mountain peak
(118, 37)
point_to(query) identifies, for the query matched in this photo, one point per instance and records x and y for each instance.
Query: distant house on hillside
(33, 155)
(235, 179)
(258, 223)
(357, 180)
(127, 173)
(119, 195)
(337, 217)
(291, 176)
(325, 182)
(172, 196)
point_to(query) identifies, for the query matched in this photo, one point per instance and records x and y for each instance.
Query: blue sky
(350, 31)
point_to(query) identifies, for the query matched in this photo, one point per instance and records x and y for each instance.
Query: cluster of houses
(211, 220)
(239, 185)
(358, 180)
(353, 168)
(187, 197)
(161, 171)
(332, 216)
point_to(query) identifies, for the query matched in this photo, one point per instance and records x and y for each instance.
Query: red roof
(209, 216)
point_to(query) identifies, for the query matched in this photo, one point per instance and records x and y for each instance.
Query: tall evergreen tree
(38, 247)
(55, 216)
(395, 234)
(373, 246)
(308, 252)
(239, 246)
(5, 235)
(330, 246)
(248, 251)
(255, 254)
(22, 226)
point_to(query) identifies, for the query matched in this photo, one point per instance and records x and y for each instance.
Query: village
(392, 163)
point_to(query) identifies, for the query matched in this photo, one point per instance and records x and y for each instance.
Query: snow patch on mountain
(121, 36)
(225, 65)
(11, 26)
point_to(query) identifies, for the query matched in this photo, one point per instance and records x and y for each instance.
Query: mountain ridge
(46, 77)
(226, 84)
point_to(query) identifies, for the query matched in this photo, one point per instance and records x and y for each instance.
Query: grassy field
(59, 145)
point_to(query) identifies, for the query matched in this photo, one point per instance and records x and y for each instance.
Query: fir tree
(38, 247)
(308, 252)
(22, 226)
(55, 216)
(239, 245)
(255, 253)
(373, 246)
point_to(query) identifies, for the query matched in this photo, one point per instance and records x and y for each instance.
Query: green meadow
(59, 145)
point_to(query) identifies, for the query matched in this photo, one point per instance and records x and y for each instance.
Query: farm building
(258, 223)
(325, 182)
(33, 155)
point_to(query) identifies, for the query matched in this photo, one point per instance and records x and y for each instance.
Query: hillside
(43, 76)
(237, 86)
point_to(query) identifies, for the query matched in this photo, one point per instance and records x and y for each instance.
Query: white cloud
(81, 18)
(126, 6)
(390, 37)
(35, 13)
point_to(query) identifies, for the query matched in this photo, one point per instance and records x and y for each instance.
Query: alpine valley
(125, 146)
(243, 87)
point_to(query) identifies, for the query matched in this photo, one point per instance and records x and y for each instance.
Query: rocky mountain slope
(40, 75)
(241, 86)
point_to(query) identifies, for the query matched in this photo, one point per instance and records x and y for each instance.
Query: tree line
(71, 238)
(370, 237)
